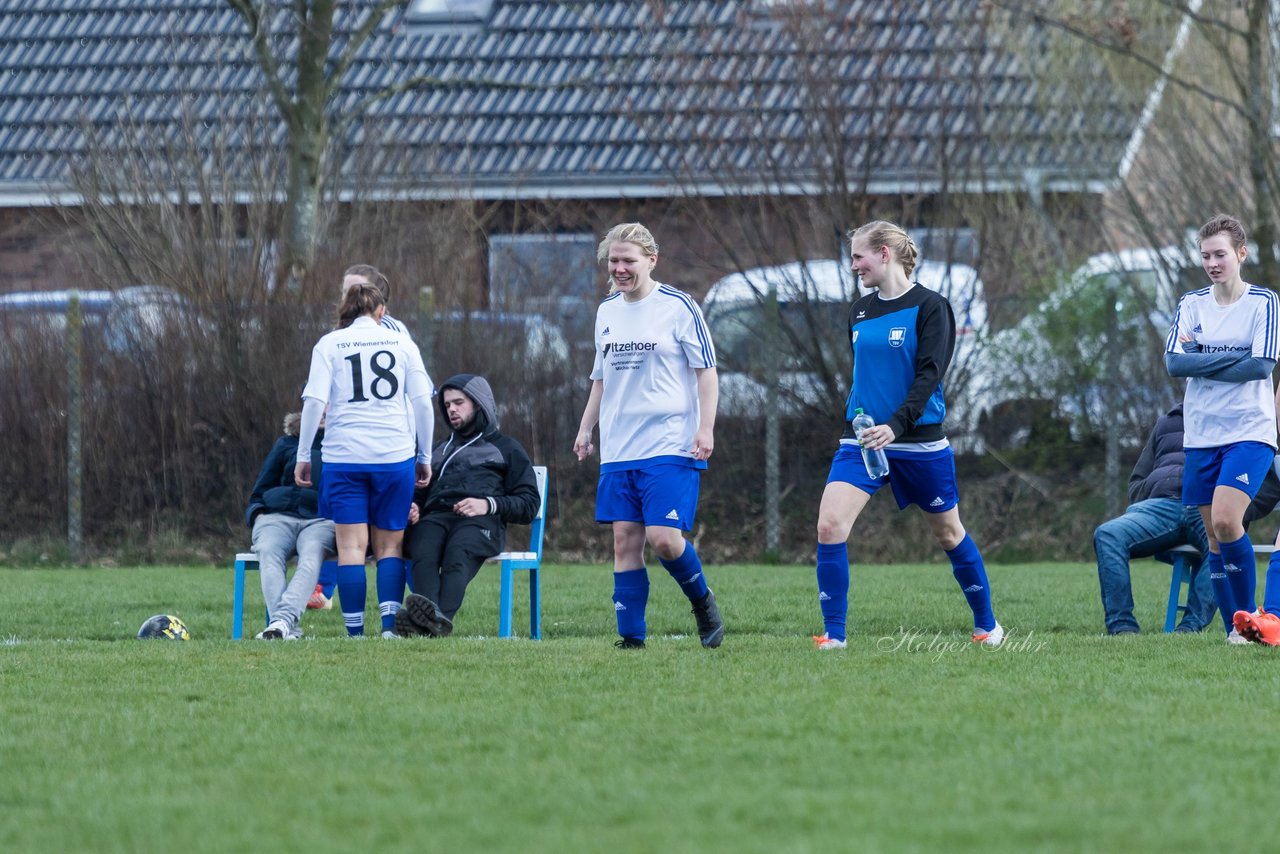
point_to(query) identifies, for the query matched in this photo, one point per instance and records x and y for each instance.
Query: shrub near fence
(174, 433)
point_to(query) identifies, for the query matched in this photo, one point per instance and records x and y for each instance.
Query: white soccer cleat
(1237, 639)
(390, 635)
(825, 641)
(991, 639)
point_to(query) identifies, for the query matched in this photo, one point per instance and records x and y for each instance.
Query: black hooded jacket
(480, 462)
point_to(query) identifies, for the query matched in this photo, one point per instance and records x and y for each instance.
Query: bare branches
(261, 36)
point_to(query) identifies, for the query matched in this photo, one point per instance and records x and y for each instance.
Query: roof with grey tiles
(572, 98)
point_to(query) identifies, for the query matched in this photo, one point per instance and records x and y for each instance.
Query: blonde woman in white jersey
(654, 392)
(1225, 341)
(366, 375)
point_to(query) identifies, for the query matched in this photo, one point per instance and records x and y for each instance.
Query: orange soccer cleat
(1258, 627)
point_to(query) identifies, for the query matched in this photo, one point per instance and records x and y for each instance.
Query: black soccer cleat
(422, 617)
(710, 625)
(629, 643)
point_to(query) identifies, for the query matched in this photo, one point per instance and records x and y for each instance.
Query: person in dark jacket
(1154, 522)
(284, 519)
(481, 482)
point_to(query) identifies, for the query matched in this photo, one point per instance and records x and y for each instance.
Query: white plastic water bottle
(876, 462)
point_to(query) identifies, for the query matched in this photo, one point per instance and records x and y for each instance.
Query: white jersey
(367, 374)
(1217, 413)
(646, 354)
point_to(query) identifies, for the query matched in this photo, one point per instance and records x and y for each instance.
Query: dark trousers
(447, 550)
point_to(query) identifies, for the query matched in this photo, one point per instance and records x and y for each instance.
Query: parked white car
(813, 354)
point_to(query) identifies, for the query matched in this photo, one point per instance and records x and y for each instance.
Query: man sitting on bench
(284, 521)
(1157, 521)
(481, 481)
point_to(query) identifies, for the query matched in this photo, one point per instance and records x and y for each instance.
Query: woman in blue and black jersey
(902, 337)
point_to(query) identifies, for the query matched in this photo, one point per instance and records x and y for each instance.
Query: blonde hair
(1225, 224)
(879, 233)
(627, 232)
(292, 425)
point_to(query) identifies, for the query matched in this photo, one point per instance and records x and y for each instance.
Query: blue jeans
(1146, 529)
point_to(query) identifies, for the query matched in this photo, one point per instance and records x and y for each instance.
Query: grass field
(1063, 741)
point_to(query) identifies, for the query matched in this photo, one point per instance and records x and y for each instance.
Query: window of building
(554, 275)
(448, 11)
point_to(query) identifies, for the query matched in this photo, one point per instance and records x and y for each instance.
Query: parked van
(813, 306)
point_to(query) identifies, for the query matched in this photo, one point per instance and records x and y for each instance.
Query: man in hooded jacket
(481, 481)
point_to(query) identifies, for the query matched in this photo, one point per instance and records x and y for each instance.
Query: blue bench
(511, 562)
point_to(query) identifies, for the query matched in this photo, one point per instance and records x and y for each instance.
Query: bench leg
(504, 602)
(237, 603)
(535, 607)
(1178, 575)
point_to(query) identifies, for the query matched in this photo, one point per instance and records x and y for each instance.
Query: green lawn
(1064, 741)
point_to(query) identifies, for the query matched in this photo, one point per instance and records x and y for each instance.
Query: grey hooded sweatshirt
(480, 462)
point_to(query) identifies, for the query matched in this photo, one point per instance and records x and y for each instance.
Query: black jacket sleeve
(935, 342)
(271, 475)
(1139, 488)
(519, 505)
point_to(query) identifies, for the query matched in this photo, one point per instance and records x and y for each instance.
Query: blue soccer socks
(390, 585)
(687, 571)
(630, 595)
(971, 575)
(1271, 599)
(833, 587)
(352, 589)
(1242, 572)
(1222, 590)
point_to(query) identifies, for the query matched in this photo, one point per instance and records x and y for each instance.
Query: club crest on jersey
(897, 335)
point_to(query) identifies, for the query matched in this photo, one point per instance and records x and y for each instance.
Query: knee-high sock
(352, 588)
(1222, 590)
(1244, 576)
(328, 579)
(833, 587)
(687, 571)
(630, 595)
(971, 575)
(1271, 598)
(390, 590)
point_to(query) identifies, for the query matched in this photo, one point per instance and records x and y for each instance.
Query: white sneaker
(275, 630)
(390, 635)
(1236, 639)
(825, 641)
(991, 639)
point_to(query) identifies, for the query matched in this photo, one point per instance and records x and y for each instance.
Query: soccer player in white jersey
(1225, 340)
(654, 392)
(367, 376)
(390, 582)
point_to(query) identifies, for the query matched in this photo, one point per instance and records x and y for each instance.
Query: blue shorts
(378, 495)
(1240, 465)
(927, 480)
(662, 495)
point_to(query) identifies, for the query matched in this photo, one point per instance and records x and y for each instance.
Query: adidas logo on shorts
(937, 502)
(673, 516)
(1243, 478)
